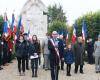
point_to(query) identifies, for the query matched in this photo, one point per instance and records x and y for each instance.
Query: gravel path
(10, 73)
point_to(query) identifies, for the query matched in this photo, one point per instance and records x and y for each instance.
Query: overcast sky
(72, 8)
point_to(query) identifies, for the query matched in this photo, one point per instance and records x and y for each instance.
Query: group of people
(60, 54)
(6, 49)
(56, 52)
(28, 49)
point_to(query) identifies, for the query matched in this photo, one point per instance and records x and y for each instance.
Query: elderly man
(79, 54)
(54, 55)
(97, 54)
(46, 53)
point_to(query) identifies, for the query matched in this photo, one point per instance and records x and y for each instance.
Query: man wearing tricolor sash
(54, 55)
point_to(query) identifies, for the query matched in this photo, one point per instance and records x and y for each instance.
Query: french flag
(66, 36)
(13, 24)
(84, 30)
(19, 26)
(13, 21)
(29, 31)
(5, 30)
(74, 34)
(22, 29)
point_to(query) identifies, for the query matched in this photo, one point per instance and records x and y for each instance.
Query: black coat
(0, 47)
(27, 46)
(79, 52)
(5, 47)
(53, 55)
(90, 48)
(21, 49)
(35, 48)
(61, 48)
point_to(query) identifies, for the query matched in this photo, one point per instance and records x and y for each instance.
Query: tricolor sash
(56, 50)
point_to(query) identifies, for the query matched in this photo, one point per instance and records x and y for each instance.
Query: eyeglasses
(54, 34)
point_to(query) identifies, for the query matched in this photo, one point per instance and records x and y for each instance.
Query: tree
(56, 19)
(93, 24)
(1, 24)
(57, 26)
(56, 13)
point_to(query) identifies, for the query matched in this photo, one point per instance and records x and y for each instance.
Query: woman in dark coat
(34, 55)
(21, 53)
(79, 55)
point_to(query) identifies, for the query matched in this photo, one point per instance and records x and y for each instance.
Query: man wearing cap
(54, 55)
(97, 55)
(27, 54)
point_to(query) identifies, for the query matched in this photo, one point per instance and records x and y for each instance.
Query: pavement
(10, 72)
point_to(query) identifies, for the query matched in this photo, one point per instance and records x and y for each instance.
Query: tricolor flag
(19, 26)
(22, 29)
(84, 30)
(5, 30)
(66, 36)
(29, 32)
(13, 22)
(60, 34)
(74, 36)
(13, 25)
(20, 22)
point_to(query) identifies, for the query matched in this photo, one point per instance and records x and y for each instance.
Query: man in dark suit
(27, 56)
(54, 55)
(61, 51)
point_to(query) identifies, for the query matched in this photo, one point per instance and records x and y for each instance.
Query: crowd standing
(56, 52)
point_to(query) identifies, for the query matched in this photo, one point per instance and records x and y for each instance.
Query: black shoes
(62, 69)
(81, 72)
(75, 72)
(1, 68)
(34, 75)
(27, 69)
(97, 71)
(68, 74)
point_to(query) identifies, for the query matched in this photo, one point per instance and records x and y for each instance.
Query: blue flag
(19, 26)
(84, 26)
(84, 30)
(28, 31)
(5, 31)
(12, 23)
(20, 22)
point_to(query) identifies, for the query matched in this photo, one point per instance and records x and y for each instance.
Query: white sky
(72, 8)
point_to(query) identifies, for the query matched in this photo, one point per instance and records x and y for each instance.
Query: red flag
(74, 36)
(22, 29)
